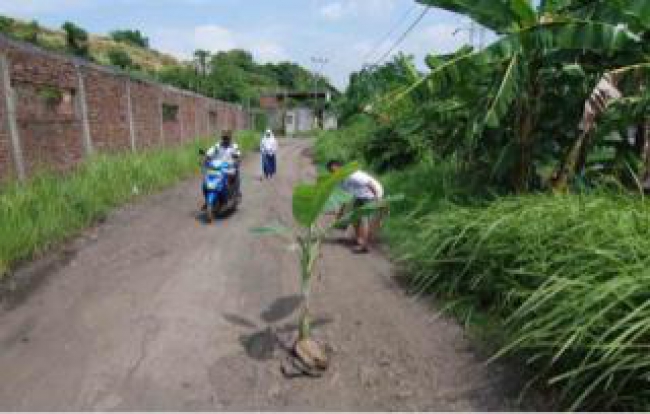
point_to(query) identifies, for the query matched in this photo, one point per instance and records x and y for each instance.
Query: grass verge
(567, 275)
(50, 208)
(248, 140)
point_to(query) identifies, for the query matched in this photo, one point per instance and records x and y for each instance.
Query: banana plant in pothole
(310, 202)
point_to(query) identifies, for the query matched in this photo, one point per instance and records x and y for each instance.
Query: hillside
(148, 60)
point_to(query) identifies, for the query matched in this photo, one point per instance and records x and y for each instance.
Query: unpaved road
(153, 310)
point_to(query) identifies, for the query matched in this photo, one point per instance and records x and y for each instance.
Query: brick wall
(52, 92)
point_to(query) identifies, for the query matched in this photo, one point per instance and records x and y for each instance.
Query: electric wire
(403, 36)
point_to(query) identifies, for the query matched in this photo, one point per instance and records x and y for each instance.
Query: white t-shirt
(357, 184)
(228, 154)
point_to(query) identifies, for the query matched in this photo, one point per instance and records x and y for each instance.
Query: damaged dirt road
(153, 310)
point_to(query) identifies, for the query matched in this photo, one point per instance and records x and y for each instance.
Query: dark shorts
(358, 203)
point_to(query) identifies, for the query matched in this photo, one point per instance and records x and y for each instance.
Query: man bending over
(364, 189)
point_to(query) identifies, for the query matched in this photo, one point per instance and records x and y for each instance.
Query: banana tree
(530, 37)
(607, 98)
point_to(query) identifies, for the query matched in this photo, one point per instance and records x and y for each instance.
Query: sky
(348, 33)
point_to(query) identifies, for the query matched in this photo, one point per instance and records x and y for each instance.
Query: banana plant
(310, 202)
(609, 99)
(530, 37)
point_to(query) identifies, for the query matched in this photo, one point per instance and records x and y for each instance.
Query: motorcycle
(221, 196)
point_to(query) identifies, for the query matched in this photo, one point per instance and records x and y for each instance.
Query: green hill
(148, 60)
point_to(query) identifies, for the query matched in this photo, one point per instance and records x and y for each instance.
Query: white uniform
(357, 184)
(268, 145)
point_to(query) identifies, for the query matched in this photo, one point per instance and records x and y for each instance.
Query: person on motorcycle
(227, 151)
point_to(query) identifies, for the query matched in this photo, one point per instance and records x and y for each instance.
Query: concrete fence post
(208, 109)
(208, 121)
(197, 127)
(162, 120)
(83, 109)
(14, 137)
(180, 120)
(129, 112)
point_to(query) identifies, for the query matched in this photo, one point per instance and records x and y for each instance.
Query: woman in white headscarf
(269, 148)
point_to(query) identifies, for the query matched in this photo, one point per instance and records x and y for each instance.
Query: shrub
(248, 140)
(6, 24)
(345, 144)
(29, 32)
(121, 59)
(76, 39)
(132, 37)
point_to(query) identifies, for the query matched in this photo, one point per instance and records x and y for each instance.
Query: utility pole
(317, 60)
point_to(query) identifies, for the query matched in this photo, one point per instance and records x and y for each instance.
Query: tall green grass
(50, 208)
(568, 275)
(248, 140)
(345, 144)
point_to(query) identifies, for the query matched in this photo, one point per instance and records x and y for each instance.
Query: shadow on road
(281, 308)
(339, 241)
(201, 217)
(239, 321)
(262, 343)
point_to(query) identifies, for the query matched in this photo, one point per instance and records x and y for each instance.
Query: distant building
(292, 112)
(330, 121)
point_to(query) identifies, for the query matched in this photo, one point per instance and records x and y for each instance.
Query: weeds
(50, 208)
(344, 145)
(248, 140)
(567, 274)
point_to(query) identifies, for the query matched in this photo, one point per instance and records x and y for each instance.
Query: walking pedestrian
(269, 149)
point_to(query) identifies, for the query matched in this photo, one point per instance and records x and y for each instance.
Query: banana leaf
(500, 16)
(309, 200)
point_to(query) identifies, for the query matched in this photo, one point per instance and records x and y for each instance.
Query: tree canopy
(235, 76)
(133, 37)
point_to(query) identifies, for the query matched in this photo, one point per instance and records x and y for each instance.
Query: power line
(403, 36)
(389, 34)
